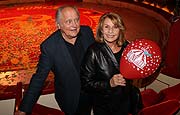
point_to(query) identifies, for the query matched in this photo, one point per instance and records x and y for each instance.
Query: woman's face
(110, 31)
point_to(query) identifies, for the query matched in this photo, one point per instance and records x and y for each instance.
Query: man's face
(69, 23)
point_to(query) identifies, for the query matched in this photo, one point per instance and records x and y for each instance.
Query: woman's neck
(114, 47)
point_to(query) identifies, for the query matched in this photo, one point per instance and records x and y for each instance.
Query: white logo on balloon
(139, 57)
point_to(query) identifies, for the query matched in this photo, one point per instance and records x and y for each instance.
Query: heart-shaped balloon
(140, 59)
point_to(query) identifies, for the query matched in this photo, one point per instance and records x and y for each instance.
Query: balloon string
(147, 53)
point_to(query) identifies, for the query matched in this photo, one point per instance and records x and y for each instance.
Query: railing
(169, 6)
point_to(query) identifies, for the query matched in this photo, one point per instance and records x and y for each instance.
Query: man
(61, 53)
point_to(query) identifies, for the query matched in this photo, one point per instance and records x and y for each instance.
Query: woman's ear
(58, 26)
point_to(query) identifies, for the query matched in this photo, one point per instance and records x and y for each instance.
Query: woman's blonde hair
(117, 20)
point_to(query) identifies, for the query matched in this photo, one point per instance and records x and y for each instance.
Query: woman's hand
(116, 80)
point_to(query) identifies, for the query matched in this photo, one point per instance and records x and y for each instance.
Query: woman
(100, 76)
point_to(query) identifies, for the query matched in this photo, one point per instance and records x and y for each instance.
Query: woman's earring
(58, 26)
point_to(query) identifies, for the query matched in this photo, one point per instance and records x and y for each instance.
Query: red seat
(43, 110)
(166, 102)
(12, 92)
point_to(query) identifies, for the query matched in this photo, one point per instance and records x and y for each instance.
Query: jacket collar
(108, 52)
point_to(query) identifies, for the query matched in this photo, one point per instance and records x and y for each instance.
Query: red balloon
(140, 59)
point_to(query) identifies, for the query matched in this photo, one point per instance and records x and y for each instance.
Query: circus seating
(38, 108)
(166, 102)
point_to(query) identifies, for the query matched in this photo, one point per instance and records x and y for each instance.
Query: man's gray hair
(59, 11)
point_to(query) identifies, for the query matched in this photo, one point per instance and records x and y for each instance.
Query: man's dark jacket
(56, 57)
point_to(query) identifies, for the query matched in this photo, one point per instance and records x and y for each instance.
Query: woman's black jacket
(98, 67)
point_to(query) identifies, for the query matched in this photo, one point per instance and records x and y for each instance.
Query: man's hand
(19, 113)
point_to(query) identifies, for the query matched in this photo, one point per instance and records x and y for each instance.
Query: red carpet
(22, 30)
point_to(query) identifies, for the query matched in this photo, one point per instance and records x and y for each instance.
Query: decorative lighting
(157, 6)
